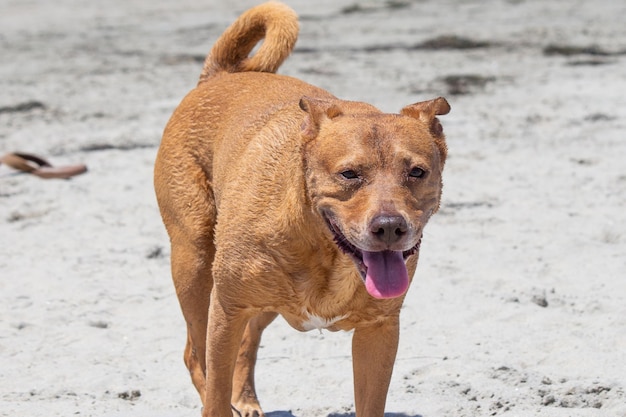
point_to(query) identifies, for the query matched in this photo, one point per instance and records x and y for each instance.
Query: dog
(280, 198)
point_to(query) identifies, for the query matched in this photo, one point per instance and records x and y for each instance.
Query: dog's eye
(349, 174)
(417, 173)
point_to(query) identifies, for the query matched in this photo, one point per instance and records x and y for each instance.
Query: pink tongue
(386, 274)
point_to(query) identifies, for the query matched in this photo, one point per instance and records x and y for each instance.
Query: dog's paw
(247, 409)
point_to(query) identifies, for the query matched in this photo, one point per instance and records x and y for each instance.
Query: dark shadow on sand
(386, 415)
(289, 414)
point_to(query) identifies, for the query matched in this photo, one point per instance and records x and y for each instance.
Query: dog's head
(375, 179)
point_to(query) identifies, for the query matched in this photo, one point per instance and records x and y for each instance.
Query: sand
(518, 306)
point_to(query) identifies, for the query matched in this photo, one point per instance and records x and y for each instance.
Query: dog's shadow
(386, 415)
(289, 414)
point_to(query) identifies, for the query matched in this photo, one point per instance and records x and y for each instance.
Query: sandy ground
(519, 303)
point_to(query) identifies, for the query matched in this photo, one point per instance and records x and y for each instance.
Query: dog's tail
(274, 21)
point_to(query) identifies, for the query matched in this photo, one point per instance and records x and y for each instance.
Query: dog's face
(375, 179)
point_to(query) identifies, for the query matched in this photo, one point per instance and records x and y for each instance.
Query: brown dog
(281, 199)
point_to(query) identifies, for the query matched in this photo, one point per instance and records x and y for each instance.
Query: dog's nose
(388, 229)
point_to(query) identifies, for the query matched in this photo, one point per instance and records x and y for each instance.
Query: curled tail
(274, 21)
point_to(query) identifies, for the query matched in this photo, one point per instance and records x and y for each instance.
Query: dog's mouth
(384, 272)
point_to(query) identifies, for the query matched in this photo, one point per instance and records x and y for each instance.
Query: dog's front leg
(244, 393)
(225, 330)
(373, 355)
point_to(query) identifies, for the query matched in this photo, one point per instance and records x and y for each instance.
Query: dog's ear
(317, 111)
(427, 112)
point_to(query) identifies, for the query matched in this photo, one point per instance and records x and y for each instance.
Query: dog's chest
(304, 320)
(311, 321)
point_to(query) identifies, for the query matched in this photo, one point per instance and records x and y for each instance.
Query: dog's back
(236, 95)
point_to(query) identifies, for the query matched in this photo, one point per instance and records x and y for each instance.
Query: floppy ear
(427, 112)
(317, 111)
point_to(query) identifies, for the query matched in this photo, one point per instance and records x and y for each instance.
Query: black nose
(388, 228)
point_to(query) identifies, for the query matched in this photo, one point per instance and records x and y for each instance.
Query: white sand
(534, 208)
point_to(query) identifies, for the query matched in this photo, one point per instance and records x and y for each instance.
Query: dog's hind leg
(193, 282)
(188, 209)
(244, 397)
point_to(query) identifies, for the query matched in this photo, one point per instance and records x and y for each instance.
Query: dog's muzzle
(383, 272)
